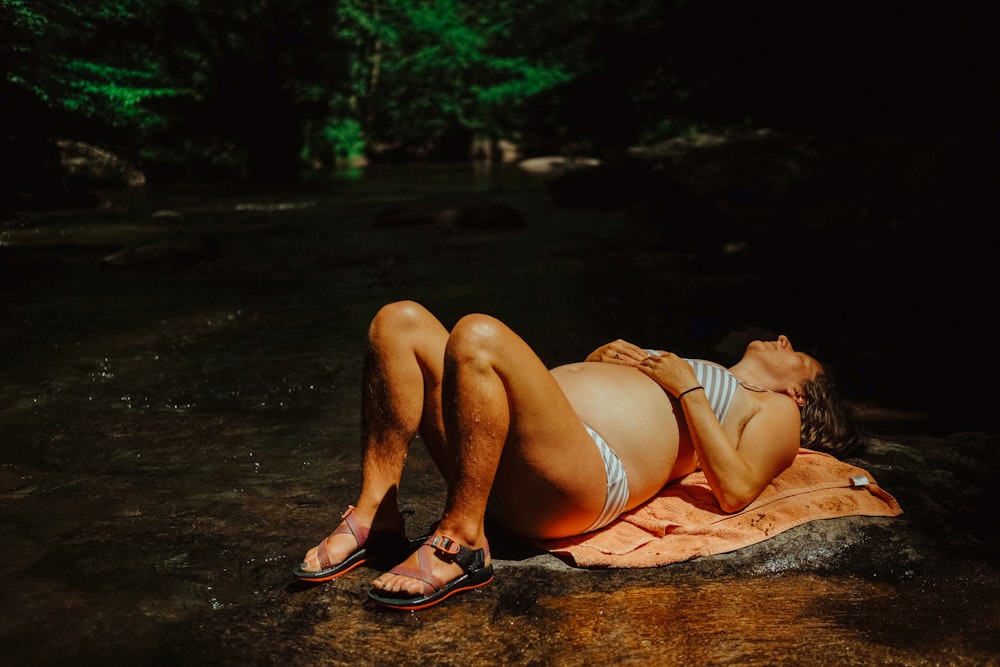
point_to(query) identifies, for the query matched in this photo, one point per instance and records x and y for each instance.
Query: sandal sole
(356, 559)
(461, 584)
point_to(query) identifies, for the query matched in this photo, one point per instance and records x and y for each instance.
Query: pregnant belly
(635, 416)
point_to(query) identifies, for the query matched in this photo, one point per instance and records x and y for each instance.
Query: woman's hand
(669, 371)
(619, 352)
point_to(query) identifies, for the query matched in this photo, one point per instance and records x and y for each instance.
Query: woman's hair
(828, 425)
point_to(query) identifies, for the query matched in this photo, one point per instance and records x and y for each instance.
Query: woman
(553, 453)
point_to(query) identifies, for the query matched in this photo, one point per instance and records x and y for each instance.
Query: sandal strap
(447, 550)
(451, 551)
(351, 525)
(348, 525)
(421, 573)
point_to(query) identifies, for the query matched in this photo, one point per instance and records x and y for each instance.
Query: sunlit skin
(511, 422)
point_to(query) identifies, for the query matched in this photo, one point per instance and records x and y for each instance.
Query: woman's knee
(476, 336)
(396, 317)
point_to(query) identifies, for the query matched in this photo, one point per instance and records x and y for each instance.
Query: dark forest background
(859, 167)
(262, 90)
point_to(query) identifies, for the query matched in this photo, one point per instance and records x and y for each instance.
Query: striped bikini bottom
(617, 487)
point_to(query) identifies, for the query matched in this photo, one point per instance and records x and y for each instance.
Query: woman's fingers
(623, 352)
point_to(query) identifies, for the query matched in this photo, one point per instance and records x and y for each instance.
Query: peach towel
(684, 521)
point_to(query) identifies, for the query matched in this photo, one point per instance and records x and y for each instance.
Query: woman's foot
(350, 545)
(438, 569)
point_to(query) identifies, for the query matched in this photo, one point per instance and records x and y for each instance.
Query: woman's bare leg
(498, 400)
(400, 394)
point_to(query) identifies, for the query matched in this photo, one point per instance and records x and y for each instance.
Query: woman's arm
(768, 444)
(737, 472)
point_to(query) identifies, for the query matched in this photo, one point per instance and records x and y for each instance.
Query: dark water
(175, 435)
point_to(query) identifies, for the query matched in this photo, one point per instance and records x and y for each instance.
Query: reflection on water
(613, 617)
(175, 435)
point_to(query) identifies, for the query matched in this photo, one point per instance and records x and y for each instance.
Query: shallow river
(176, 433)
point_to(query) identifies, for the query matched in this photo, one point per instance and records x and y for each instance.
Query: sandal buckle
(446, 545)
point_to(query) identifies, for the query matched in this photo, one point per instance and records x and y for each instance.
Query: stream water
(178, 429)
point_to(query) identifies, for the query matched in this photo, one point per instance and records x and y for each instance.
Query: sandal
(476, 574)
(388, 544)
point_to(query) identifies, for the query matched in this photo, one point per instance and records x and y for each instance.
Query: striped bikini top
(720, 385)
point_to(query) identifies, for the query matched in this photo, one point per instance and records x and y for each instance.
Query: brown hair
(829, 425)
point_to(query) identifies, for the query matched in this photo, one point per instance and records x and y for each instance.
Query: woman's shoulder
(770, 406)
(771, 421)
(777, 405)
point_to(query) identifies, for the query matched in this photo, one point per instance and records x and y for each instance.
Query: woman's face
(783, 361)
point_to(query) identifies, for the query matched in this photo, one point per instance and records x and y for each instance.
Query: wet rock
(178, 252)
(452, 214)
(553, 165)
(168, 214)
(681, 218)
(942, 484)
(94, 165)
(601, 185)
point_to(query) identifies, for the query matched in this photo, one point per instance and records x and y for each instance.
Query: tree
(424, 69)
(60, 80)
(79, 60)
(260, 73)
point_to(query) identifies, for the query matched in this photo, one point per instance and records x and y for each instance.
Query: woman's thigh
(551, 478)
(553, 485)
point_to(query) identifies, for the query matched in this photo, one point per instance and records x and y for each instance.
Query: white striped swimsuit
(720, 385)
(617, 488)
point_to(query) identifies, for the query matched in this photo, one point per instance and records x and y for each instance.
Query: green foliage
(338, 140)
(115, 95)
(276, 83)
(18, 18)
(65, 56)
(448, 66)
(525, 80)
(262, 85)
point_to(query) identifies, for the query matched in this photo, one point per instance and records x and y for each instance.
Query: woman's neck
(755, 378)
